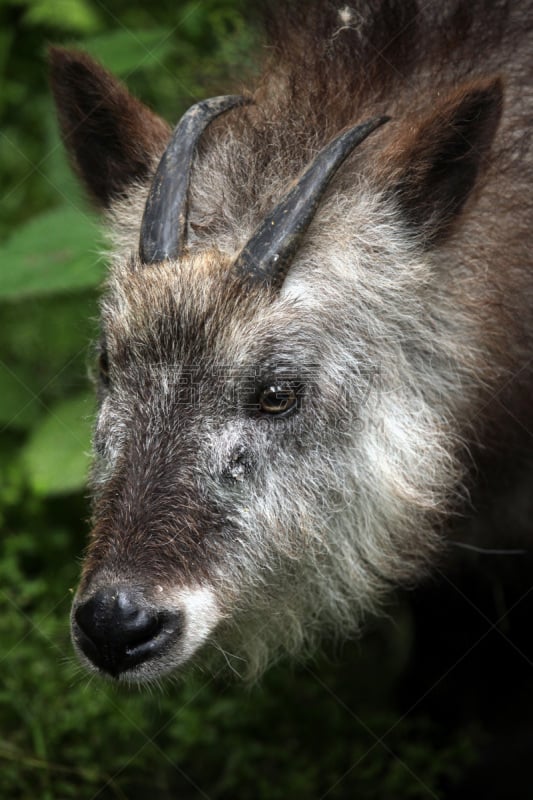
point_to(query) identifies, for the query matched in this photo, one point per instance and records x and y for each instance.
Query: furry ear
(111, 137)
(441, 158)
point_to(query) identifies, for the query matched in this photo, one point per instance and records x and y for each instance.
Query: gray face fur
(254, 533)
(265, 531)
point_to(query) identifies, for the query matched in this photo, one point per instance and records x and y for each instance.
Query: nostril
(116, 631)
(140, 626)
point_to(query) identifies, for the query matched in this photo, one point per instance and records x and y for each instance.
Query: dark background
(434, 702)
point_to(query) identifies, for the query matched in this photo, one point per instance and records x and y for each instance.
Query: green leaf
(55, 251)
(126, 51)
(56, 457)
(68, 15)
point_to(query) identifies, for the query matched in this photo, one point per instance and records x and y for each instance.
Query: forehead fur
(195, 310)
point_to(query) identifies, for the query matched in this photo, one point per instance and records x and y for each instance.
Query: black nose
(117, 631)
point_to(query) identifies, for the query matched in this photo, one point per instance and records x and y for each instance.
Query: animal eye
(103, 367)
(278, 400)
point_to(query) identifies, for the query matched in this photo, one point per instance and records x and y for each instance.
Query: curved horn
(268, 254)
(164, 220)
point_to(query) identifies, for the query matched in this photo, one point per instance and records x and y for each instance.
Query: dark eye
(277, 400)
(103, 367)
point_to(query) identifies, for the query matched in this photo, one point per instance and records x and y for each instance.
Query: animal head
(282, 366)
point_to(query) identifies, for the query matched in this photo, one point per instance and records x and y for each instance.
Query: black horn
(164, 220)
(268, 254)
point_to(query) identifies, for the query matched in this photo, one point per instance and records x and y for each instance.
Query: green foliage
(303, 733)
(68, 15)
(69, 262)
(55, 456)
(124, 54)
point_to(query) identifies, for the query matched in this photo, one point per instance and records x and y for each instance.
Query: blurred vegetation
(308, 731)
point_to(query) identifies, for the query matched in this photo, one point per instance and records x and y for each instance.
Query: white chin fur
(201, 612)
